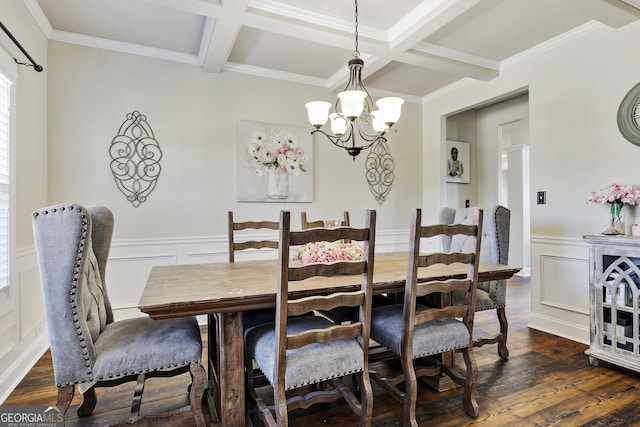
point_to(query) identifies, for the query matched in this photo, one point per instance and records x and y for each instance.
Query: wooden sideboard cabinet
(614, 295)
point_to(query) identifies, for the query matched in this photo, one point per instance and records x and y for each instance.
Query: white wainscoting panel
(560, 287)
(565, 283)
(8, 338)
(23, 335)
(30, 301)
(126, 277)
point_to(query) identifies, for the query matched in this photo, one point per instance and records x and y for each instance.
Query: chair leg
(256, 407)
(198, 382)
(366, 399)
(503, 351)
(471, 379)
(280, 403)
(65, 396)
(411, 392)
(88, 404)
(137, 398)
(499, 338)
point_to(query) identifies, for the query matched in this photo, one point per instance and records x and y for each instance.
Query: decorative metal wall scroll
(380, 167)
(135, 155)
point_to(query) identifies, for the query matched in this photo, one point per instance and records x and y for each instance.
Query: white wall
(574, 93)
(194, 117)
(22, 332)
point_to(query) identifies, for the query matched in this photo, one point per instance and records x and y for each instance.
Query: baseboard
(27, 356)
(571, 331)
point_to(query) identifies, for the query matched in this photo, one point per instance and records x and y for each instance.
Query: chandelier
(355, 125)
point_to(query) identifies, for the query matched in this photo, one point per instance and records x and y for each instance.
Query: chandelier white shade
(355, 125)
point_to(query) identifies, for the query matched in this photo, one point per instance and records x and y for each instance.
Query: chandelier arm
(379, 135)
(335, 139)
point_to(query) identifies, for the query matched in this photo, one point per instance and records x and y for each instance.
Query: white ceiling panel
(278, 52)
(135, 22)
(499, 29)
(407, 79)
(411, 47)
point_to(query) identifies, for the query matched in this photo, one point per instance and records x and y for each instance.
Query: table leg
(442, 382)
(213, 389)
(227, 380)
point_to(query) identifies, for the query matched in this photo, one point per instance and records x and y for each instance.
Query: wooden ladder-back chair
(416, 331)
(320, 223)
(89, 349)
(342, 314)
(494, 248)
(251, 244)
(298, 352)
(252, 317)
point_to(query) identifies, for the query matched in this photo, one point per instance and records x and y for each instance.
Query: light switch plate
(542, 197)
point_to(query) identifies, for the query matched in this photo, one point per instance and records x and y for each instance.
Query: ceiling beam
(311, 30)
(221, 33)
(448, 65)
(424, 20)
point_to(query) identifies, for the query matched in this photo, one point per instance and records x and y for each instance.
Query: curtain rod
(33, 64)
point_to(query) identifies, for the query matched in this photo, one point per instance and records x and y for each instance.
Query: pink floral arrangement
(629, 194)
(277, 151)
(329, 252)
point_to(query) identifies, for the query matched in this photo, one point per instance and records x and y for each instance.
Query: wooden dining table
(225, 290)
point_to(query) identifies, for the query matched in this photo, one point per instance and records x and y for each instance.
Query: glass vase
(617, 224)
(278, 185)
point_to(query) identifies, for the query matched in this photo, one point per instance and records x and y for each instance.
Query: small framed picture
(458, 162)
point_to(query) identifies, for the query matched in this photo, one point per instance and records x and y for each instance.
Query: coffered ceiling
(411, 48)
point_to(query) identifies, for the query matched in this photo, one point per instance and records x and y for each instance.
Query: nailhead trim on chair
(74, 281)
(112, 375)
(73, 303)
(495, 221)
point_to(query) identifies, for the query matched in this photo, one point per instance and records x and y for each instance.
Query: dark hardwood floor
(547, 381)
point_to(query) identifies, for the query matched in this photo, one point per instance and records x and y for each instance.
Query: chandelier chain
(356, 53)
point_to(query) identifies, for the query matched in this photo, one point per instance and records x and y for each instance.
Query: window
(8, 77)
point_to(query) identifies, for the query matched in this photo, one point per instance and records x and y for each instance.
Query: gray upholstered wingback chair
(495, 249)
(90, 349)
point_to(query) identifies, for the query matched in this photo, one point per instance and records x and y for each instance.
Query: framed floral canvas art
(274, 163)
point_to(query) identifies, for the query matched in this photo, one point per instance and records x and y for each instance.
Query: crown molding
(134, 49)
(274, 74)
(39, 16)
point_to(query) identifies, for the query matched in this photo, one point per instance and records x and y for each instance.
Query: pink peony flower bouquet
(323, 252)
(277, 151)
(628, 194)
(617, 196)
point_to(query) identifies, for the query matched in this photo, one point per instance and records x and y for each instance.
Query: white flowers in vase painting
(277, 151)
(274, 163)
